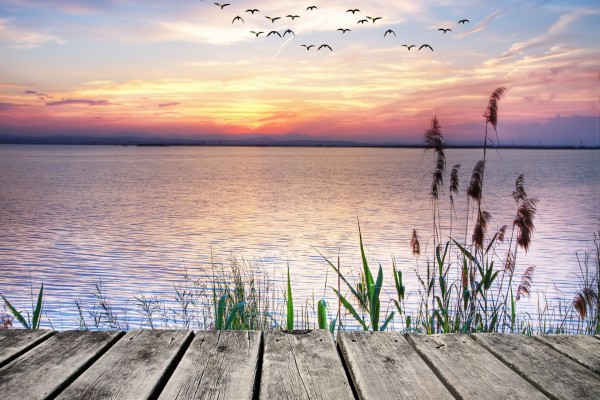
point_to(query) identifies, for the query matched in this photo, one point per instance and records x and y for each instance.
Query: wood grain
(217, 365)
(383, 365)
(581, 348)
(14, 342)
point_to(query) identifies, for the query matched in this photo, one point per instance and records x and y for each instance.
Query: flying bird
(311, 8)
(445, 30)
(293, 16)
(236, 18)
(256, 33)
(353, 11)
(273, 19)
(390, 32)
(362, 21)
(462, 21)
(324, 46)
(343, 30)
(374, 19)
(408, 47)
(223, 5)
(425, 45)
(289, 31)
(274, 33)
(307, 46)
(253, 10)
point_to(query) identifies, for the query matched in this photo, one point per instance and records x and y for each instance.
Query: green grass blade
(290, 303)
(17, 314)
(354, 292)
(387, 321)
(220, 317)
(366, 269)
(374, 300)
(322, 314)
(332, 325)
(233, 313)
(467, 253)
(35, 323)
(351, 309)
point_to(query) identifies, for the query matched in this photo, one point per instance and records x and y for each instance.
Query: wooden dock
(168, 364)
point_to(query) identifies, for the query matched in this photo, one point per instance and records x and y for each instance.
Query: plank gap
(561, 350)
(162, 382)
(28, 347)
(259, 366)
(347, 372)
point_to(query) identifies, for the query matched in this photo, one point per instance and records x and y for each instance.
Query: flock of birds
(367, 19)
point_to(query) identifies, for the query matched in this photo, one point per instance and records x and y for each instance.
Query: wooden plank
(383, 365)
(469, 370)
(551, 372)
(136, 367)
(581, 348)
(57, 361)
(217, 365)
(14, 342)
(302, 365)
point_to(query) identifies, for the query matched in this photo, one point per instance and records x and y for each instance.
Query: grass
(472, 281)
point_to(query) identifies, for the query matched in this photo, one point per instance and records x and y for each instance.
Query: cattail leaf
(16, 313)
(232, 314)
(289, 303)
(35, 322)
(354, 292)
(322, 314)
(366, 269)
(387, 321)
(351, 310)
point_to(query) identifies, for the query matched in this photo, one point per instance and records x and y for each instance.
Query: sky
(185, 68)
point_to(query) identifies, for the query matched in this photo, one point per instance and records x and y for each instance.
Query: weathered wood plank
(469, 370)
(581, 348)
(14, 342)
(44, 372)
(217, 365)
(551, 372)
(136, 367)
(302, 365)
(383, 365)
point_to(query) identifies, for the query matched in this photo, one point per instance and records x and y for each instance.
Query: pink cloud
(80, 101)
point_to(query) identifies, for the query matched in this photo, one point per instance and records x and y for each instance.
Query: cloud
(168, 104)
(79, 101)
(23, 37)
(481, 26)
(41, 96)
(9, 106)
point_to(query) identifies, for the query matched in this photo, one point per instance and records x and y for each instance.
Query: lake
(137, 218)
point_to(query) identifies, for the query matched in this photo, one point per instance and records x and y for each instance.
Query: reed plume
(525, 284)
(524, 222)
(474, 190)
(519, 193)
(502, 233)
(454, 179)
(584, 298)
(414, 244)
(509, 263)
(434, 140)
(491, 112)
(483, 218)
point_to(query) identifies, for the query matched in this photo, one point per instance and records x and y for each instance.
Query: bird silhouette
(362, 21)
(445, 30)
(353, 11)
(307, 46)
(273, 19)
(311, 8)
(236, 18)
(390, 32)
(324, 46)
(293, 17)
(426, 45)
(374, 19)
(223, 5)
(408, 47)
(256, 33)
(289, 31)
(274, 33)
(462, 21)
(343, 30)
(253, 10)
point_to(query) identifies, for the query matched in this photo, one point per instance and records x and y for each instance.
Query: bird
(444, 29)
(223, 5)
(236, 18)
(353, 11)
(324, 46)
(374, 19)
(252, 10)
(362, 21)
(425, 45)
(390, 32)
(273, 19)
(256, 33)
(462, 21)
(289, 31)
(343, 30)
(307, 46)
(293, 16)
(274, 33)
(311, 8)
(408, 47)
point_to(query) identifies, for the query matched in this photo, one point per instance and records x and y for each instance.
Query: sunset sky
(182, 68)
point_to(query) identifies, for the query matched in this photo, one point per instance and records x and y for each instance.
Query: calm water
(137, 217)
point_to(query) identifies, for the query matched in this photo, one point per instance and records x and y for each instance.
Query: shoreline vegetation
(472, 281)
